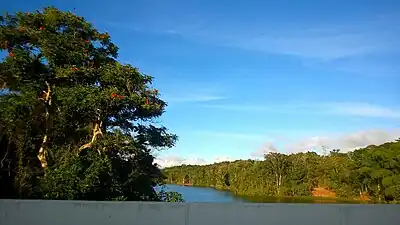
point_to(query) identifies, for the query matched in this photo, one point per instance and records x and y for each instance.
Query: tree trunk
(278, 184)
(96, 132)
(379, 192)
(42, 154)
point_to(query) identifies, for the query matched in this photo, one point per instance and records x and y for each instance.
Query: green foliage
(74, 122)
(170, 196)
(373, 171)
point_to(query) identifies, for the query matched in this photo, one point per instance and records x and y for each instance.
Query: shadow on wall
(186, 181)
(227, 180)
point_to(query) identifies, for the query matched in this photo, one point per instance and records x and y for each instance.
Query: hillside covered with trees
(373, 171)
(74, 122)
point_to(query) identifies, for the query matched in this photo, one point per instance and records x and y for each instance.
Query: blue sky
(246, 77)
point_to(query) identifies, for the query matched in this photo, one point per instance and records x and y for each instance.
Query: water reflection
(203, 194)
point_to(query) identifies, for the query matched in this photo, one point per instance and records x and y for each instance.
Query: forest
(371, 173)
(75, 123)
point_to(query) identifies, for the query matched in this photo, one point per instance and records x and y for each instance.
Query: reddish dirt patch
(364, 197)
(326, 193)
(323, 192)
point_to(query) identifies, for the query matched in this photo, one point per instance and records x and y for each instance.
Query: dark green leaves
(91, 115)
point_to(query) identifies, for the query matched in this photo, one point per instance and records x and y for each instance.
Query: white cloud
(315, 143)
(174, 160)
(334, 108)
(364, 138)
(345, 142)
(218, 159)
(265, 149)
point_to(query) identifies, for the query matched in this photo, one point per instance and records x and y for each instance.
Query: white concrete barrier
(40, 212)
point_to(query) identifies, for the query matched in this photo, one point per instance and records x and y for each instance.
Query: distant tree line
(373, 171)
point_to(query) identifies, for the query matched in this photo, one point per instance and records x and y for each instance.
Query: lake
(205, 194)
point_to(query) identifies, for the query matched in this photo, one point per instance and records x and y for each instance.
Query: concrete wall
(27, 212)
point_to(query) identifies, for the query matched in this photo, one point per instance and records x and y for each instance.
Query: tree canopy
(373, 171)
(74, 122)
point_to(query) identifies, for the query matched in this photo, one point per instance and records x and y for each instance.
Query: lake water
(203, 194)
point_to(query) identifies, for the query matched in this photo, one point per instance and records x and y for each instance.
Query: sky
(243, 78)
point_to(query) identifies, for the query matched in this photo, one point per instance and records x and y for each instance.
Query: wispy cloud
(192, 93)
(376, 65)
(333, 108)
(354, 48)
(362, 109)
(325, 44)
(241, 107)
(318, 45)
(193, 98)
(122, 25)
(231, 135)
(308, 40)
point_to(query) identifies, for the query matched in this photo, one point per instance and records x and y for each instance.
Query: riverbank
(320, 195)
(345, 175)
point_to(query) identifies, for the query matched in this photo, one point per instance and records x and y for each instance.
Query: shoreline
(330, 198)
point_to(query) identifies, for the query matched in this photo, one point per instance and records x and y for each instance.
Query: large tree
(74, 122)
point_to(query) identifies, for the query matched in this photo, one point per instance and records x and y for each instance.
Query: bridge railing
(40, 212)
